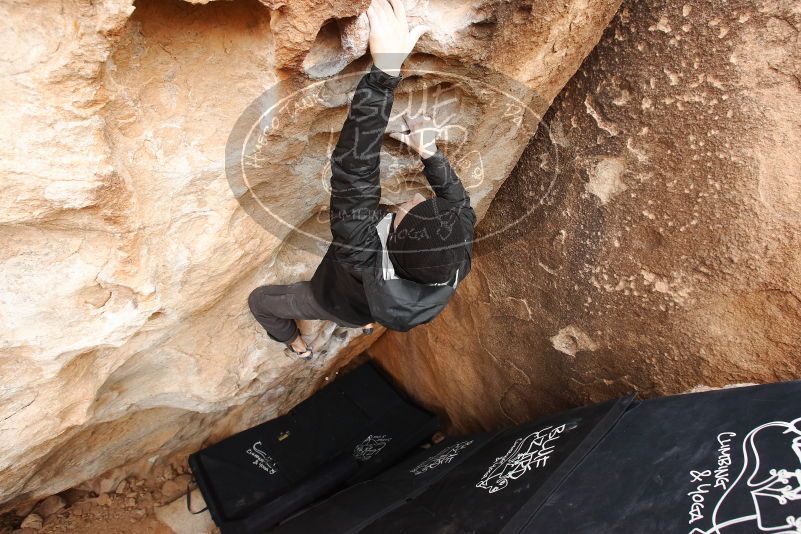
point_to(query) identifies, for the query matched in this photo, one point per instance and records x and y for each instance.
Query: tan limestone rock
(126, 257)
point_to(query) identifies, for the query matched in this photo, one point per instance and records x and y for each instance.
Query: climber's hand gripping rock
(390, 38)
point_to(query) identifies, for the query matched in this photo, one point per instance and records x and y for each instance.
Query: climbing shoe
(306, 355)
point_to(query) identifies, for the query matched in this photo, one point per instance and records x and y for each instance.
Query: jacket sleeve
(447, 185)
(355, 185)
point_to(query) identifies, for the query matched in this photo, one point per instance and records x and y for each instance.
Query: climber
(398, 269)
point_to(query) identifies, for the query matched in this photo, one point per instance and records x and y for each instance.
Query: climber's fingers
(382, 11)
(399, 9)
(371, 16)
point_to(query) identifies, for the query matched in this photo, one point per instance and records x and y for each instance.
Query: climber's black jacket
(355, 251)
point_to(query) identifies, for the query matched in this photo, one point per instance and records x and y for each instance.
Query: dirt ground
(129, 508)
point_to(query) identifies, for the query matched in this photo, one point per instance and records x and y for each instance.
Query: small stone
(171, 490)
(103, 500)
(82, 507)
(179, 468)
(107, 485)
(33, 521)
(130, 503)
(50, 506)
(121, 487)
(25, 509)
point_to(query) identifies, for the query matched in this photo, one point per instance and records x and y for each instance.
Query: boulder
(33, 521)
(649, 238)
(50, 506)
(127, 251)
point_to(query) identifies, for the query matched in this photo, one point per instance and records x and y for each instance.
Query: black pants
(277, 307)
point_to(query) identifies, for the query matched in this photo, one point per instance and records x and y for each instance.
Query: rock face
(127, 254)
(656, 228)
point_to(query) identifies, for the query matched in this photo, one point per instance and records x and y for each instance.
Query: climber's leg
(272, 307)
(277, 307)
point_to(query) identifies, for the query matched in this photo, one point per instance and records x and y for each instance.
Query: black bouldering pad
(722, 462)
(507, 480)
(284, 461)
(355, 507)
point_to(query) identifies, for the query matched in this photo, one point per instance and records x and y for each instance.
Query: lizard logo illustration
(442, 457)
(525, 454)
(773, 482)
(371, 446)
(262, 460)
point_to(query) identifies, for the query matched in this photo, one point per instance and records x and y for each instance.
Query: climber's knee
(254, 300)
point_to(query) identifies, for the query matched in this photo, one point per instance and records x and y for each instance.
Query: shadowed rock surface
(656, 241)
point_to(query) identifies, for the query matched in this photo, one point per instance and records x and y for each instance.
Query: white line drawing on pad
(526, 453)
(262, 460)
(442, 457)
(371, 446)
(775, 491)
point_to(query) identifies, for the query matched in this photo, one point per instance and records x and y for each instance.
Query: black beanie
(428, 245)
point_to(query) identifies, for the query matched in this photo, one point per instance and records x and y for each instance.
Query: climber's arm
(355, 185)
(422, 139)
(445, 183)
